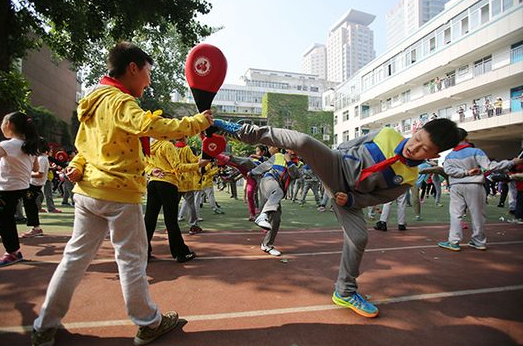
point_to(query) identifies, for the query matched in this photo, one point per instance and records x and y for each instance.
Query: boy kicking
(366, 171)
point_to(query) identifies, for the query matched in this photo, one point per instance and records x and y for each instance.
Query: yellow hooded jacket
(109, 150)
(188, 180)
(165, 157)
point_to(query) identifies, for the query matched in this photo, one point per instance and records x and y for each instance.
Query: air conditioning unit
(326, 137)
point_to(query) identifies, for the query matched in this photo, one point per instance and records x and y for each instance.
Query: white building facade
(408, 16)
(469, 53)
(350, 45)
(314, 61)
(246, 99)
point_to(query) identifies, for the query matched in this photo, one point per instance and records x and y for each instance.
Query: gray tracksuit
(272, 189)
(340, 171)
(467, 191)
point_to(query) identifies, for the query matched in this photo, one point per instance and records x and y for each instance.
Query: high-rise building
(408, 16)
(350, 45)
(314, 61)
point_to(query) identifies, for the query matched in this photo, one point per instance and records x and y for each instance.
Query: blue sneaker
(449, 246)
(227, 127)
(356, 303)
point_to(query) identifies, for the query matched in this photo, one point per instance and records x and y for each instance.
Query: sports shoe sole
(11, 263)
(360, 312)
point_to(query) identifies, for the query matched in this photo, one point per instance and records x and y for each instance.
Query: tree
(71, 27)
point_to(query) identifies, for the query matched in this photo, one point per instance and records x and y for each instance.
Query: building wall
(53, 84)
(478, 62)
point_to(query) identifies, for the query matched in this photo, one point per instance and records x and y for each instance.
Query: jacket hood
(88, 105)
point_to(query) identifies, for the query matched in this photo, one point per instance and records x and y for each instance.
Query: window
(516, 52)
(346, 136)
(405, 96)
(406, 125)
(496, 7)
(483, 65)
(463, 70)
(508, 4)
(446, 35)
(465, 26)
(484, 14)
(432, 44)
(345, 115)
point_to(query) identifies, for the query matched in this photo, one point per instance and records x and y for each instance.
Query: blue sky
(273, 34)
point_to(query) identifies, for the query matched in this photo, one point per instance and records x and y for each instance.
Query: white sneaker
(270, 250)
(263, 222)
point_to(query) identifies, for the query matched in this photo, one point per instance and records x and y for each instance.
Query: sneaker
(66, 203)
(321, 208)
(185, 258)
(43, 338)
(356, 303)
(56, 211)
(227, 127)
(33, 232)
(262, 221)
(449, 246)
(519, 221)
(145, 334)
(419, 218)
(195, 230)
(380, 226)
(200, 219)
(181, 218)
(402, 227)
(270, 250)
(477, 247)
(11, 258)
(439, 205)
(218, 211)
(501, 205)
(42, 210)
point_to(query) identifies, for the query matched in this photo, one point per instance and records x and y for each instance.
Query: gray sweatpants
(402, 204)
(271, 196)
(189, 207)
(472, 197)
(326, 163)
(93, 218)
(315, 187)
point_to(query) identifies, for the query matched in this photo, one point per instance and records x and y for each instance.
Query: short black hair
(462, 133)
(124, 53)
(443, 133)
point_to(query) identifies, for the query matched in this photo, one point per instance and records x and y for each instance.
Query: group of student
(110, 182)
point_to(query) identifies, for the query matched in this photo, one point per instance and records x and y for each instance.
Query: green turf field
(294, 216)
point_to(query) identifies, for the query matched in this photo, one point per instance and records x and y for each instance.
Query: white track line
(289, 255)
(259, 313)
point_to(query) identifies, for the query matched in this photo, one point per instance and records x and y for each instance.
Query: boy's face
(420, 147)
(274, 150)
(141, 78)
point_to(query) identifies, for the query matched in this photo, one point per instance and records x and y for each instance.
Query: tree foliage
(70, 26)
(82, 31)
